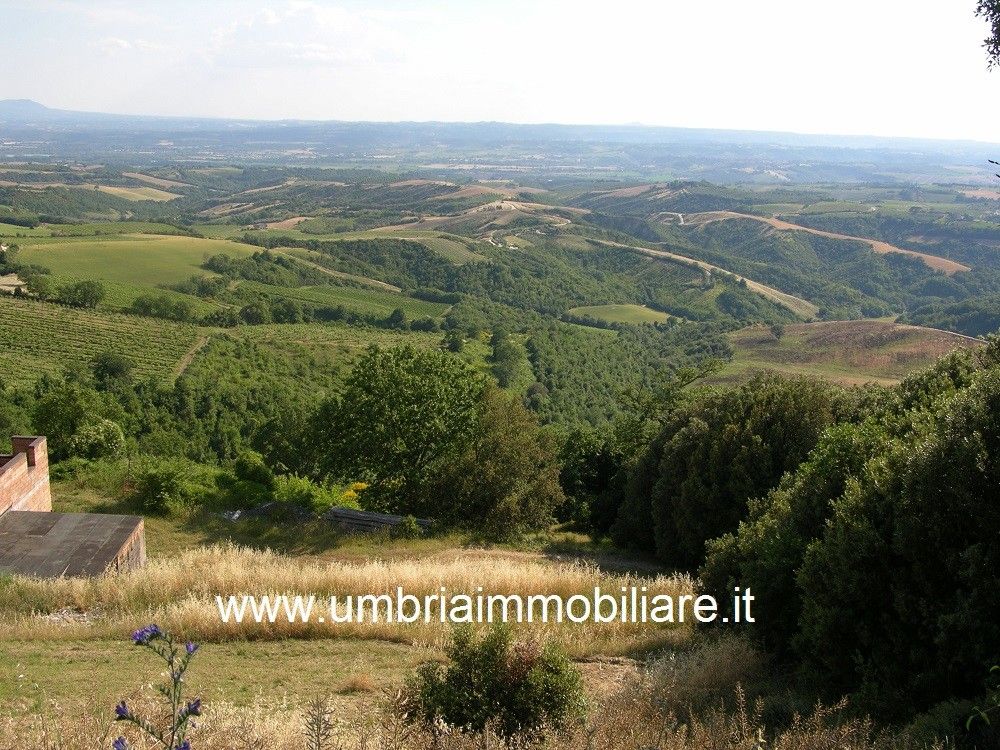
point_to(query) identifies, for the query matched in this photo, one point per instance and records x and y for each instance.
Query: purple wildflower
(193, 708)
(190, 648)
(144, 635)
(119, 744)
(185, 745)
(122, 712)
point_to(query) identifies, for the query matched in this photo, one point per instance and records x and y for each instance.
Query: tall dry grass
(628, 719)
(179, 594)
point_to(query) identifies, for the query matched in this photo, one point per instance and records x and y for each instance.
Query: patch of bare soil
(287, 223)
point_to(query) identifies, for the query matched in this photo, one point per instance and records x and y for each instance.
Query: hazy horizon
(897, 70)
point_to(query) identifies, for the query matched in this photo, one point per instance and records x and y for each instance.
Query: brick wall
(24, 476)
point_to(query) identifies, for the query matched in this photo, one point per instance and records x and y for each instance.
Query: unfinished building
(34, 541)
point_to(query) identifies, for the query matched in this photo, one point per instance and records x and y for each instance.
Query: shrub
(162, 486)
(408, 529)
(250, 467)
(768, 548)
(699, 678)
(520, 690)
(101, 438)
(302, 492)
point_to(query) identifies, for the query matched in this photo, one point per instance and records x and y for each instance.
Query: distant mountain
(27, 111)
(22, 107)
(32, 131)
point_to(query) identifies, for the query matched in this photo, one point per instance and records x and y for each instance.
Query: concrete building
(34, 541)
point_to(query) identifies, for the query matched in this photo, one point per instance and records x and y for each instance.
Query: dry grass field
(179, 593)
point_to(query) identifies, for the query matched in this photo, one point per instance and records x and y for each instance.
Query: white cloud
(111, 44)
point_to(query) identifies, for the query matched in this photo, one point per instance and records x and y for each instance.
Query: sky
(866, 67)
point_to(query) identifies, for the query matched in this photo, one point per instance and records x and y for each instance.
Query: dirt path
(10, 283)
(385, 286)
(802, 308)
(950, 267)
(188, 358)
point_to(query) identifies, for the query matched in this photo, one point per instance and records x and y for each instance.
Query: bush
(162, 306)
(250, 467)
(699, 678)
(408, 529)
(98, 439)
(767, 550)
(164, 486)
(519, 690)
(304, 493)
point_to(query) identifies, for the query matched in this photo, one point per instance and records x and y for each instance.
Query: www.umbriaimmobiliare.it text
(632, 604)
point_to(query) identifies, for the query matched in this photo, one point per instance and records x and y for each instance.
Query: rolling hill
(846, 352)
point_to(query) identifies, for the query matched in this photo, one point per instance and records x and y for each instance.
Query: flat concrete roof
(50, 545)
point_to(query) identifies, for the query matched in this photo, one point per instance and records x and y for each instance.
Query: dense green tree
(86, 294)
(112, 368)
(256, 313)
(506, 358)
(453, 341)
(401, 412)
(715, 455)
(990, 11)
(60, 413)
(504, 480)
(41, 286)
(397, 319)
(590, 460)
(162, 306)
(899, 593)
(767, 550)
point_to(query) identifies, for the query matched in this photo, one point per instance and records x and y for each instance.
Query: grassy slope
(847, 352)
(87, 230)
(146, 260)
(93, 675)
(622, 313)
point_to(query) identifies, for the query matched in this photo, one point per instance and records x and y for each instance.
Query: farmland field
(453, 247)
(120, 295)
(138, 193)
(37, 337)
(148, 260)
(89, 229)
(634, 314)
(846, 352)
